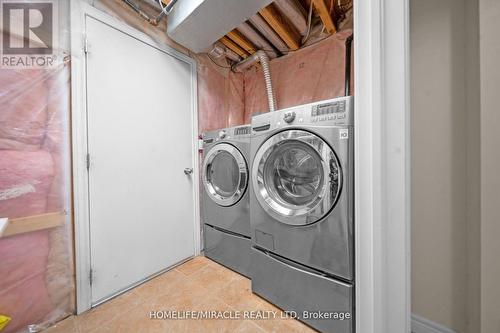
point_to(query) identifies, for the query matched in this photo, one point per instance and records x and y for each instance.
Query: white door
(140, 140)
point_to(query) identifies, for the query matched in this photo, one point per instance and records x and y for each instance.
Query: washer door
(296, 177)
(225, 175)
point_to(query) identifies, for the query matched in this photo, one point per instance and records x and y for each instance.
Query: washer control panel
(333, 112)
(329, 111)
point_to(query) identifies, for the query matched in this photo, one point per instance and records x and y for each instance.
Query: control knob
(222, 134)
(289, 117)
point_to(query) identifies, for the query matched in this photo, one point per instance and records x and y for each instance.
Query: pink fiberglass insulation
(220, 96)
(23, 294)
(211, 97)
(36, 276)
(25, 181)
(310, 74)
(236, 108)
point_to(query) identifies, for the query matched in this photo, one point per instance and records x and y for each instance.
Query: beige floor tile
(104, 313)
(199, 284)
(252, 302)
(185, 295)
(236, 292)
(160, 285)
(67, 325)
(276, 323)
(249, 327)
(192, 265)
(135, 320)
(213, 279)
(228, 325)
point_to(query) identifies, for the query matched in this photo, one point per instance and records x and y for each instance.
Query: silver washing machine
(225, 199)
(302, 215)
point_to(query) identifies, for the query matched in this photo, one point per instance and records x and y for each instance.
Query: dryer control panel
(239, 133)
(334, 112)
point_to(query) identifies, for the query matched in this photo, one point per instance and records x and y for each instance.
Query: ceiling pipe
(256, 38)
(260, 56)
(219, 50)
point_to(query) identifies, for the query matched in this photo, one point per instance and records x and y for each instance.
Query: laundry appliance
(302, 212)
(225, 199)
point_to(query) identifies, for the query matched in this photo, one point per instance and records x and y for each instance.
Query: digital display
(242, 130)
(329, 108)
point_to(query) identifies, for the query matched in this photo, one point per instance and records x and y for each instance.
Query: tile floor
(199, 284)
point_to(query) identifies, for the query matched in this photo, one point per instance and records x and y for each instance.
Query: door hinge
(87, 161)
(91, 276)
(85, 44)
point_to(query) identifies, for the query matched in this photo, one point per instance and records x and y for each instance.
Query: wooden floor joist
(325, 16)
(288, 33)
(241, 41)
(234, 47)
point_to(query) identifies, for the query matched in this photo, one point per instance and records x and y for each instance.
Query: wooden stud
(34, 223)
(242, 41)
(233, 47)
(288, 33)
(325, 16)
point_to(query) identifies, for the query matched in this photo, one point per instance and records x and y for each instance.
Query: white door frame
(382, 141)
(79, 11)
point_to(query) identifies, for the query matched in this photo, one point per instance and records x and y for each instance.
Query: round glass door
(225, 174)
(296, 176)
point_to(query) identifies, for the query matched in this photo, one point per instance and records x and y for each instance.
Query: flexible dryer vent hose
(260, 56)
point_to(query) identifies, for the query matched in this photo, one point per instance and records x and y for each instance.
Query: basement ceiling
(284, 26)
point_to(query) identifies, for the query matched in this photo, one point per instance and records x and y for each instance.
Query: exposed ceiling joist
(288, 33)
(257, 39)
(325, 16)
(294, 11)
(234, 47)
(241, 41)
(265, 29)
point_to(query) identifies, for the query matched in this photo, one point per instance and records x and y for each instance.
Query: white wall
(490, 165)
(473, 232)
(439, 161)
(456, 163)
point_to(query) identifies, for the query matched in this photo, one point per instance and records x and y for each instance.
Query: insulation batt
(34, 180)
(307, 75)
(220, 96)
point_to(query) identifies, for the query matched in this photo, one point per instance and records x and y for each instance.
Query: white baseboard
(422, 325)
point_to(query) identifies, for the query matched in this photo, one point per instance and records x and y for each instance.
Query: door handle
(188, 171)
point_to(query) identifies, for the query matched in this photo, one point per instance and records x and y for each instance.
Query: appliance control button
(222, 134)
(289, 117)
